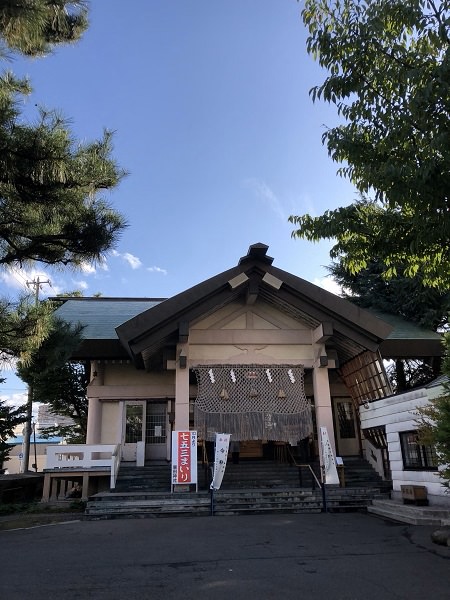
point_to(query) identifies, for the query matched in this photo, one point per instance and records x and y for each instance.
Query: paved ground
(325, 556)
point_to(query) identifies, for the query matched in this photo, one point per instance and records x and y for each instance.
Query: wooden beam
(250, 336)
(238, 280)
(323, 332)
(183, 332)
(252, 292)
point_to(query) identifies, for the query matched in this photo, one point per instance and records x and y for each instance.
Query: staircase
(359, 473)
(251, 487)
(154, 478)
(395, 510)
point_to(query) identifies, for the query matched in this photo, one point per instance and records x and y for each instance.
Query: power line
(17, 273)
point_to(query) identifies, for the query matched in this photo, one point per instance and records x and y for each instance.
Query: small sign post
(184, 458)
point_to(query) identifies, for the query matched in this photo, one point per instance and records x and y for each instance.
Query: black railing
(300, 466)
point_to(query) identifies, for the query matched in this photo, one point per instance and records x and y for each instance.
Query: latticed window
(376, 436)
(134, 423)
(366, 377)
(155, 431)
(416, 456)
(346, 420)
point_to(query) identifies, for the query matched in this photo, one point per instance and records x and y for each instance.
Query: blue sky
(210, 104)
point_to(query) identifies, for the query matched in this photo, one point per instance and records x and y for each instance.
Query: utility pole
(36, 285)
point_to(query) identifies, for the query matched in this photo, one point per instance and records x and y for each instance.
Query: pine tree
(50, 208)
(9, 419)
(51, 185)
(59, 382)
(34, 27)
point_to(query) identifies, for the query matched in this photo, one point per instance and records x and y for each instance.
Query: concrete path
(325, 556)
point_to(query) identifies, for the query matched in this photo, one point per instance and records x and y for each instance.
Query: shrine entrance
(254, 403)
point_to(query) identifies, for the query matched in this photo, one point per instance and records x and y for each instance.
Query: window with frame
(416, 456)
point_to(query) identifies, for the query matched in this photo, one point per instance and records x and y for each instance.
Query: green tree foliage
(388, 64)
(434, 422)
(388, 74)
(403, 296)
(58, 382)
(23, 327)
(9, 419)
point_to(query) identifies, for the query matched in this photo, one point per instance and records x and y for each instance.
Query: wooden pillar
(94, 422)
(322, 401)
(46, 489)
(93, 434)
(85, 493)
(182, 389)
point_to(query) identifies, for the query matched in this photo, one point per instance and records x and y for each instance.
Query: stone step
(414, 515)
(251, 486)
(226, 502)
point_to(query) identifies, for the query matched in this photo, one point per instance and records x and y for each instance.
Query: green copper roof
(101, 316)
(404, 330)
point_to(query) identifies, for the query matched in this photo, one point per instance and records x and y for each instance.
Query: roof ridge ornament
(257, 252)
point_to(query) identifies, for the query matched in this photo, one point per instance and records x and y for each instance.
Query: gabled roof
(354, 329)
(143, 328)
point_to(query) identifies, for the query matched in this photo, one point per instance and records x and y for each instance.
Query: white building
(389, 426)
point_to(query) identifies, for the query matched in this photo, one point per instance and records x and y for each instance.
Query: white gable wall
(397, 414)
(250, 334)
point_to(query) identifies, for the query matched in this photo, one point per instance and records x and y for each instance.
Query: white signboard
(184, 457)
(220, 459)
(329, 464)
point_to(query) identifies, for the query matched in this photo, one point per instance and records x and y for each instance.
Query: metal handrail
(205, 463)
(300, 465)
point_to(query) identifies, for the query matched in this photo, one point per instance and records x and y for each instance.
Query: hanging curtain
(252, 402)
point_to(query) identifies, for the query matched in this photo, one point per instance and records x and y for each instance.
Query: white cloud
(12, 279)
(263, 191)
(103, 265)
(132, 260)
(57, 290)
(157, 270)
(87, 268)
(16, 399)
(22, 279)
(82, 285)
(329, 284)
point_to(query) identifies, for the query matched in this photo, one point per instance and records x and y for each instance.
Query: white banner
(184, 457)
(220, 459)
(329, 464)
